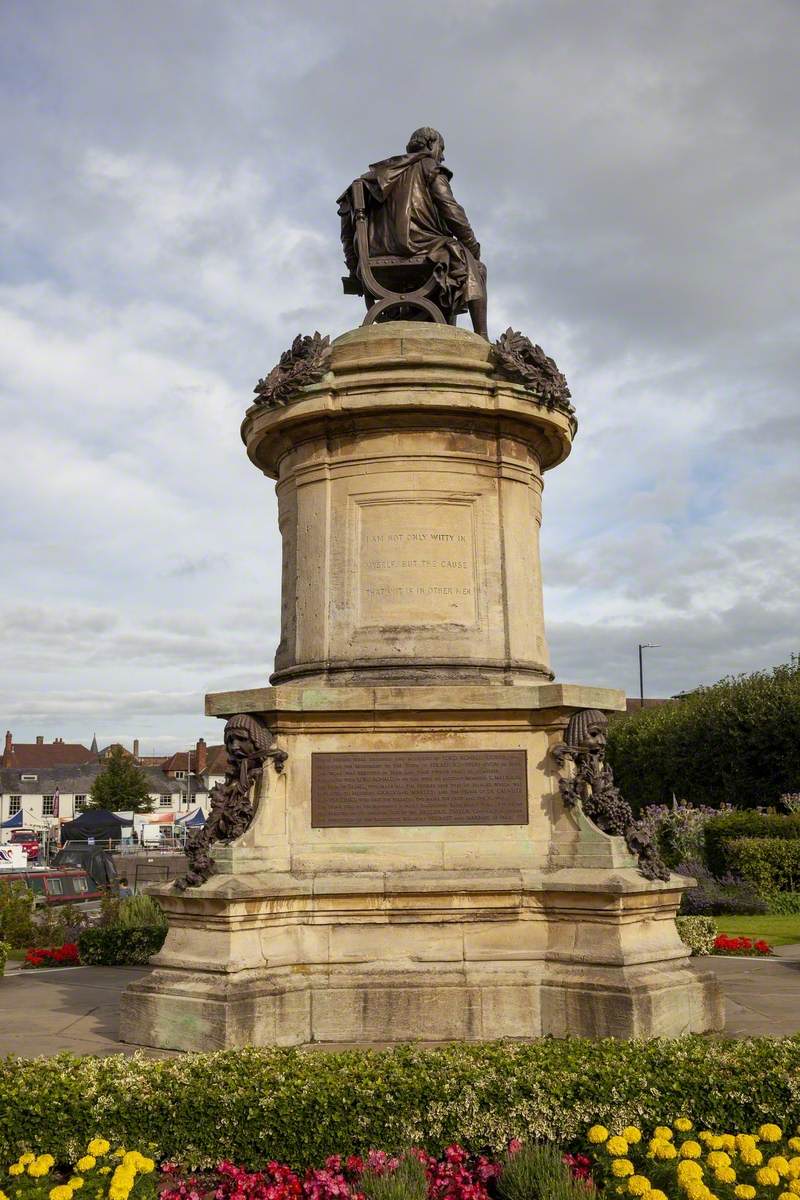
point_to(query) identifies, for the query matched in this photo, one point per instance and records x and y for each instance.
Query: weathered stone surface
(409, 493)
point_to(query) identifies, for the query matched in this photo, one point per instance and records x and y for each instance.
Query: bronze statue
(407, 243)
(248, 744)
(591, 787)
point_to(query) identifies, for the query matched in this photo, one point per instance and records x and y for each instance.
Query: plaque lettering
(416, 563)
(419, 787)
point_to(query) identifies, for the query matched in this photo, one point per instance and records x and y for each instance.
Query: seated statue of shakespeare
(420, 245)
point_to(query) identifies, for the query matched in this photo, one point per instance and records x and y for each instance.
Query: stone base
(419, 956)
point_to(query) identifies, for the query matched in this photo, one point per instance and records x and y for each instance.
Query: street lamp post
(644, 646)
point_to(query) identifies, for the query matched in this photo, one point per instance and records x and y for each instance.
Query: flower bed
(56, 956)
(740, 945)
(669, 1163)
(703, 1165)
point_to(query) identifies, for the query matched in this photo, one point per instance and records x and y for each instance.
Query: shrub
(737, 742)
(16, 920)
(5, 950)
(253, 1105)
(712, 896)
(139, 910)
(698, 933)
(725, 829)
(406, 1181)
(769, 864)
(538, 1170)
(54, 926)
(678, 829)
(118, 946)
(783, 904)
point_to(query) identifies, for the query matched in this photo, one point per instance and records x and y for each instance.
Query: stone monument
(418, 837)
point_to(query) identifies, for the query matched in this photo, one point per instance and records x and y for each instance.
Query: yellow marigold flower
(718, 1158)
(621, 1167)
(120, 1152)
(76, 1183)
(744, 1191)
(705, 1135)
(117, 1193)
(37, 1170)
(639, 1185)
(617, 1145)
(689, 1170)
(786, 1196)
(683, 1124)
(745, 1139)
(597, 1134)
(3, 1196)
(770, 1133)
(632, 1134)
(725, 1175)
(780, 1164)
(60, 1193)
(16, 1169)
(663, 1131)
(26, 1158)
(696, 1190)
(656, 1194)
(47, 1160)
(750, 1156)
(728, 1141)
(794, 1187)
(86, 1163)
(794, 1143)
(147, 1165)
(767, 1176)
(690, 1150)
(131, 1159)
(104, 1170)
(98, 1147)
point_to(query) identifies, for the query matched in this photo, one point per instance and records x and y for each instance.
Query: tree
(121, 786)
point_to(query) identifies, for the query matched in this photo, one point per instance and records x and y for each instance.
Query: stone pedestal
(411, 872)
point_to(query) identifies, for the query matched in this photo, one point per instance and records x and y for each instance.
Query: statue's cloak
(411, 211)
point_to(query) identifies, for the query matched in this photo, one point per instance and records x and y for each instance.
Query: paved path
(77, 1009)
(762, 995)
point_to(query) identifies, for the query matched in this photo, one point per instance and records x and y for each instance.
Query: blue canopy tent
(193, 820)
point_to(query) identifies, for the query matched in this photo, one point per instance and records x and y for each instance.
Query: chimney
(9, 749)
(135, 747)
(58, 741)
(201, 756)
(39, 740)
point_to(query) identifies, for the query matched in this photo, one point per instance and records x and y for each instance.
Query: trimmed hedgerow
(120, 946)
(720, 833)
(770, 864)
(737, 742)
(299, 1107)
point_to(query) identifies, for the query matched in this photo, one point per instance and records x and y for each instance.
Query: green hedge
(698, 933)
(5, 950)
(783, 904)
(298, 1107)
(118, 946)
(720, 831)
(770, 864)
(736, 742)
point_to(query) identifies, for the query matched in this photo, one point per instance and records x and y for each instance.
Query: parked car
(56, 885)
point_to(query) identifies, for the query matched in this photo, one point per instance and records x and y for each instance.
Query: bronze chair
(401, 268)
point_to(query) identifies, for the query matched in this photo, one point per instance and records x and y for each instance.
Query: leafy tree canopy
(121, 786)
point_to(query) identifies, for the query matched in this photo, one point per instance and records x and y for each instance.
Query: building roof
(74, 780)
(47, 754)
(216, 761)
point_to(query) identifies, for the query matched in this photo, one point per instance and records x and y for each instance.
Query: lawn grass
(778, 931)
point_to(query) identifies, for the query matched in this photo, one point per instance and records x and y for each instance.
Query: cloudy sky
(167, 225)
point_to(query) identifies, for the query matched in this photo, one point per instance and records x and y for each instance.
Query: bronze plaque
(419, 787)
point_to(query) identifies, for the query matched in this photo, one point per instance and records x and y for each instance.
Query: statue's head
(245, 736)
(428, 139)
(587, 730)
